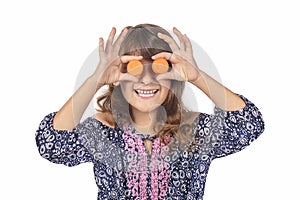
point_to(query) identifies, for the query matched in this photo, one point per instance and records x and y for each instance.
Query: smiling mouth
(146, 93)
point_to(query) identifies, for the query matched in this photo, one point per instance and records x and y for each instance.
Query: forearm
(71, 112)
(219, 94)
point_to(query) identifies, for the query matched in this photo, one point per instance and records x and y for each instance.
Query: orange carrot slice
(135, 67)
(160, 66)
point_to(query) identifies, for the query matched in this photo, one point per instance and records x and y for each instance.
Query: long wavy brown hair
(143, 40)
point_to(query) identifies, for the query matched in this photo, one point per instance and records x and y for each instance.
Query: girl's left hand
(184, 67)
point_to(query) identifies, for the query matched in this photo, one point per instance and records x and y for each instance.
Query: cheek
(126, 89)
(165, 88)
(165, 84)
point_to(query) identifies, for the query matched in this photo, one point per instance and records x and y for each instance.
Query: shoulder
(105, 118)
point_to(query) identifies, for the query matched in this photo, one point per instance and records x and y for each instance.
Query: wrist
(95, 79)
(197, 78)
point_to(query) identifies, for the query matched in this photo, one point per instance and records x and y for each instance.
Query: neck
(144, 121)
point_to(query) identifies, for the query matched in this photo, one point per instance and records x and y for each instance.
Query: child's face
(147, 94)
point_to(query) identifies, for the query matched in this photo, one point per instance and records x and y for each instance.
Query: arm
(107, 72)
(227, 132)
(60, 146)
(184, 68)
(219, 94)
(236, 121)
(57, 138)
(71, 112)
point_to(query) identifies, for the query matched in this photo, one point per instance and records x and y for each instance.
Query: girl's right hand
(108, 70)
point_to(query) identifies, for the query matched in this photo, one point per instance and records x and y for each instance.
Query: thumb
(166, 55)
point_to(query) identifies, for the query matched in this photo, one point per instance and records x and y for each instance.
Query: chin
(146, 108)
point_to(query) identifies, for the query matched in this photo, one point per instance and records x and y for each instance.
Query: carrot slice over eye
(135, 67)
(160, 66)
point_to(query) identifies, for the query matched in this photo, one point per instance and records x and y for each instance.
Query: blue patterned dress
(124, 170)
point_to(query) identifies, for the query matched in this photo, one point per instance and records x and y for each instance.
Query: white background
(254, 44)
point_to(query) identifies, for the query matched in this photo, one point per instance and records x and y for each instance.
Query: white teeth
(146, 93)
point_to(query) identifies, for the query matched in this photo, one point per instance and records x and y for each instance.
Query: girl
(143, 142)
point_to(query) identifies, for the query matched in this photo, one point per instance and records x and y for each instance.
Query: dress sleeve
(60, 146)
(227, 132)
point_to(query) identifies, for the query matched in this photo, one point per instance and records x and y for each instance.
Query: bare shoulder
(105, 118)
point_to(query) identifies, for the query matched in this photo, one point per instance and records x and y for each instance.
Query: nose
(148, 76)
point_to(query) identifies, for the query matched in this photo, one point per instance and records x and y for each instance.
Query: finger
(126, 59)
(111, 35)
(166, 55)
(110, 39)
(101, 46)
(189, 48)
(121, 37)
(173, 45)
(180, 38)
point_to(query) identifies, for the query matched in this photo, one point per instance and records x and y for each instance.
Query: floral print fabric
(124, 170)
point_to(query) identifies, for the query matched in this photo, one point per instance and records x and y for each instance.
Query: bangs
(147, 53)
